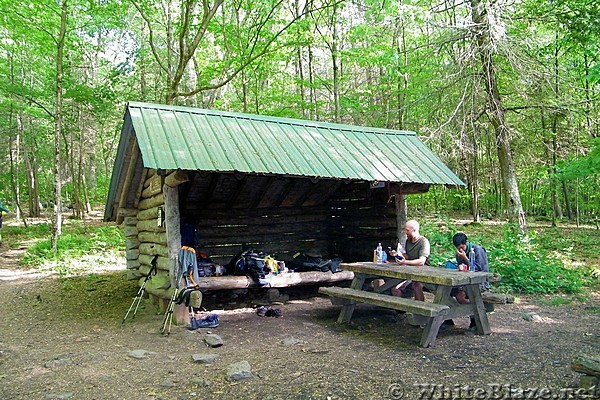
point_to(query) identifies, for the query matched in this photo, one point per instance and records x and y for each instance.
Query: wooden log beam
(146, 259)
(242, 282)
(281, 280)
(132, 243)
(176, 178)
(153, 249)
(127, 212)
(151, 213)
(497, 298)
(149, 226)
(131, 221)
(587, 364)
(154, 186)
(130, 231)
(152, 237)
(156, 200)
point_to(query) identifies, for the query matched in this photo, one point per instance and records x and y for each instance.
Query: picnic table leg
(481, 319)
(442, 296)
(431, 330)
(348, 309)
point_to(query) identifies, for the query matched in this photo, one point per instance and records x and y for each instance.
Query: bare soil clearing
(63, 338)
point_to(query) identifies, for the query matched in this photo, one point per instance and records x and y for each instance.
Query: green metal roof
(171, 137)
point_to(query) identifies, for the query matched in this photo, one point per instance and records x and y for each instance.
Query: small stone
(139, 354)
(57, 363)
(532, 317)
(204, 358)
(290, 341)
(239, 371)
(59, 396)
(167, 383)
(213, 340)
(201, 382)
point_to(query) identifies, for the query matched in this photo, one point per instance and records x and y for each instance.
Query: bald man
(416, 253)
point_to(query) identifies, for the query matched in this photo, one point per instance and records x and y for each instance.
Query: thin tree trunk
(313, 95)
(336, 66)
(402, 82)
(58, 128)
(496, 113)
(32, 180)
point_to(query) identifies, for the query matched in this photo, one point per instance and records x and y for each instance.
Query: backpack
(206, 266)
(253, 264)
(315, 262)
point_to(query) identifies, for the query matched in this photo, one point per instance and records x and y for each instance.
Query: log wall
(274, 214)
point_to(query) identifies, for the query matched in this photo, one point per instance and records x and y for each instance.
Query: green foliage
(527, 268)
(586, 167)
(539, 266)
(76, 242)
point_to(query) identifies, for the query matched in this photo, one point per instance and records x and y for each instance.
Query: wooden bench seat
(382, 300)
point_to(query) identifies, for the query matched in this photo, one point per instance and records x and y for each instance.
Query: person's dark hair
(459, 238)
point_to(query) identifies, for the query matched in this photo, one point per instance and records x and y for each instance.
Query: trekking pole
(138, 297)
(166, 325)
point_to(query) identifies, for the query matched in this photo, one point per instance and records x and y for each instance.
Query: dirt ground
(63, 339)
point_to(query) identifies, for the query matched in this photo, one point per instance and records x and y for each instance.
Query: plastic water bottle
(399, 251)
(379, 254)
(472, 259)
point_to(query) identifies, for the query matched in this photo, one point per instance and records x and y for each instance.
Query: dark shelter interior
(283, 215)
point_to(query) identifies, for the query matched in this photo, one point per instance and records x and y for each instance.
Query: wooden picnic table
(439, 280)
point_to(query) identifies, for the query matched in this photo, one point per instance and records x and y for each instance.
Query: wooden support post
(400, 202)
(172, 223)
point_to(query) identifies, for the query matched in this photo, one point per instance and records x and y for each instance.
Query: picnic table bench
(434, 313)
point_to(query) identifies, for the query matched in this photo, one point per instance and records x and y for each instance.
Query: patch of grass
(76, 242)
(97, 296)
(556, 301)
(532, 267)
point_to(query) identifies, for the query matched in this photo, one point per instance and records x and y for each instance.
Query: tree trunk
(32, 179)
(402, 82)
(314, 111)
(58, 128)
(336, 66)
(474, 176)
(496, 114)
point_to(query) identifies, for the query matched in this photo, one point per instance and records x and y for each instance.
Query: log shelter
(279, 185)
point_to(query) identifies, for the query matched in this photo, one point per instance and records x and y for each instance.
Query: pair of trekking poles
(140, 294)
(167, 321)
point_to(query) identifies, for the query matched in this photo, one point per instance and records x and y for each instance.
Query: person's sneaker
(212, 321)
(273, 312)
(262, 310)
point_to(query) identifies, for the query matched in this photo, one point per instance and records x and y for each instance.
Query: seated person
(463, 248)
(417, 250)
